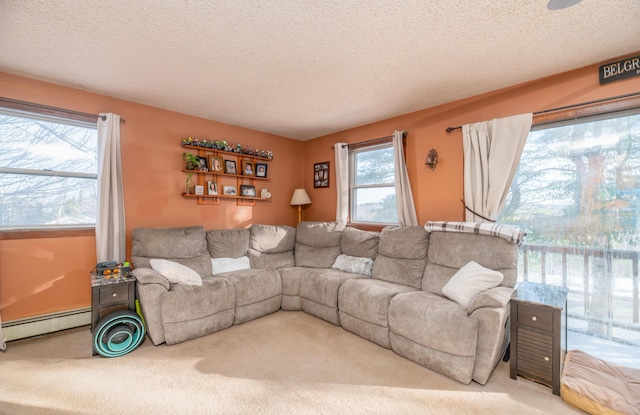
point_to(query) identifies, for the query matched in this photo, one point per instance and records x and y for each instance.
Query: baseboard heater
(46, 323)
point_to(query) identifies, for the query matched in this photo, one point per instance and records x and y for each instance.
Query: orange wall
(39, 276)
(437, 193)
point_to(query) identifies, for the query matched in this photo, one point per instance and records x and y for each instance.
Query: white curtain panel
(492, 151)
(3, 345)
(342, 182)
(404, 196)
(110, 223)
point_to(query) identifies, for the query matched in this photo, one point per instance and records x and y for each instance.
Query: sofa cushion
(358, 243)
(187, 246)
(402, 255)
(450, 251)
(221, 265)
(290, 277)
(319, 292)
(211, 307)
(354, 264)
(435, 322)
(469, 281)
(369, 299)
(272, 246)
(258, 292)
(228, 243)
(317, 244)
(175, 272)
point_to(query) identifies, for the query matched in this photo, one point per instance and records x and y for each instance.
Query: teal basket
(118, 333)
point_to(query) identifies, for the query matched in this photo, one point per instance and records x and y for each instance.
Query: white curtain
(492, 152)
(110, 223)
(3, 345)
(404, 197)
(342, 182)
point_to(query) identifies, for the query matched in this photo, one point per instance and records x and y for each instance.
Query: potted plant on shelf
(188, 184)
(191, 161)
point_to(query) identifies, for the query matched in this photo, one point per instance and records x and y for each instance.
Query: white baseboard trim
(46, 323)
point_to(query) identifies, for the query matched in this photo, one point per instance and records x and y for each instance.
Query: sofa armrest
(497, 297)
(151, 286)
(149, 276)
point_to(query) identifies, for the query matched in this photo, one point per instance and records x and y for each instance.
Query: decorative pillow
(221, 265)
(354, 264)
(176, 273)
(469, 281)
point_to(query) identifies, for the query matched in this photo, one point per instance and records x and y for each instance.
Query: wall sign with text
(622, 69)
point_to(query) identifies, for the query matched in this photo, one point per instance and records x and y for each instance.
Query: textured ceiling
(306, 68)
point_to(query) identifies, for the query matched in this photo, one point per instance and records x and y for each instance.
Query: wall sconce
(432, 159)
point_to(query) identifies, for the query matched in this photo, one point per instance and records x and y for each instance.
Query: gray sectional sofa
(323, 270)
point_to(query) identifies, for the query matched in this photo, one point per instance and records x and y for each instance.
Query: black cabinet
(539, 333)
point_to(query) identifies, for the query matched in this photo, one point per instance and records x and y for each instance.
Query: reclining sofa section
(385, 287)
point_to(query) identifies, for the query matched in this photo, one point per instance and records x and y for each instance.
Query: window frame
(566, 251)
(32, 110)
(360, 147)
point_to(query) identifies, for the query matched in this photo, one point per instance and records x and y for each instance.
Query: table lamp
(299, 198)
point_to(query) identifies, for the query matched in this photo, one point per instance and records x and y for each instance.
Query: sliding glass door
(577, 196)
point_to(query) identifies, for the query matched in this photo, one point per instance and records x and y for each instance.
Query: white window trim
(77, 120)
(353, 187)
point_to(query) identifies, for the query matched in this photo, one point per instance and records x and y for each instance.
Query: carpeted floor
(284, 363)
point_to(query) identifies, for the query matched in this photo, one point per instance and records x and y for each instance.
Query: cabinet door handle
(546, 358)
(114, 294)
(534, 318)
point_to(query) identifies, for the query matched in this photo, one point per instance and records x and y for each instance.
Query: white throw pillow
(221, 265)
(354, 264)
(469, 281)
(176, 273)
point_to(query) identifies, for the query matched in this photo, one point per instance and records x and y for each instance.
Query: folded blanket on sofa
(511, 233)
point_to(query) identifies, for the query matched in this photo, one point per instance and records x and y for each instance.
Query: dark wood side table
(539, 333)
(109, 295)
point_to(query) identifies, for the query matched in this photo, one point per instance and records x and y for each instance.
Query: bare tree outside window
(48, 172)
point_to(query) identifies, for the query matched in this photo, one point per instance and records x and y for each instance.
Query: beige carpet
(285, 363)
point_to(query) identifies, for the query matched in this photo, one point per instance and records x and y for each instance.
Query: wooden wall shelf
(225, 179)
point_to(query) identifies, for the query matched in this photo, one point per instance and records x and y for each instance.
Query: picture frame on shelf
(247, 168)
(261, 170)
(247, 190)
(216, 164)
(230, 167)
(199, 190)
(203, 164)
(321, 174)
(212, 188)
(229, 190)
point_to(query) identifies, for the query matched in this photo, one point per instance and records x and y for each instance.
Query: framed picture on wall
(247, 190)
(216, 164)
(261, 170)
(230, 167)
(212, 188)
(247, 168)
(229, 190)
(321, 174)
(204, 166)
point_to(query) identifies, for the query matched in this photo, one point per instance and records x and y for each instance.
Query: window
(48, 171)
(577, 195)
(372, 188)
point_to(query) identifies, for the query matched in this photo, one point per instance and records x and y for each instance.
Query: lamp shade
(300, 197)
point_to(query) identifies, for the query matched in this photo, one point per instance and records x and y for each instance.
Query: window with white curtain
(576, 194)
(372, 185)
(48, 171)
